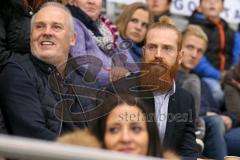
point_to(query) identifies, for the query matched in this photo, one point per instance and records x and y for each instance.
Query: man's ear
(222, 9)
(143, 53)
(199, 9)
(180, 56)
(73, 39)
(143, 50)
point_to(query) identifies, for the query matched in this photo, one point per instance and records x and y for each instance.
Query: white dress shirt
(161, 109)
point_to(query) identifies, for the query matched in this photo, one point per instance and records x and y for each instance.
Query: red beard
(158, 76)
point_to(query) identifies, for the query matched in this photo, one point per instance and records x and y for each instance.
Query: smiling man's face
(51, 37)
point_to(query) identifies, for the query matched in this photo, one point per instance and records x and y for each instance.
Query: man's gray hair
(57, 5)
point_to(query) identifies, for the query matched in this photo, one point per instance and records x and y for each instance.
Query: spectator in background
(126, 127)
(218, 123)
(37, 89)
(222, 45)
(162, 8)
(194, 44)
(99, 42)
(159, 8)
(231, 83)
(15, 17)
(189, 81)
(232, 102)
(232, 91)
(132, 24)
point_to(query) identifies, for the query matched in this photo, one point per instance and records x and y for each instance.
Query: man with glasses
(161, 8)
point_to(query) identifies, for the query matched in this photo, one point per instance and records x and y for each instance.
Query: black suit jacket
(179, 135)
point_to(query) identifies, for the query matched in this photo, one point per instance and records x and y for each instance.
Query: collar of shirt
(171, 92)
(45, 67)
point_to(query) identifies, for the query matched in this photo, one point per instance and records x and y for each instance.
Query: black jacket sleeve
(180, 132)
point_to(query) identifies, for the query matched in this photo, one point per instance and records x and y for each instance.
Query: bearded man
(173, 107)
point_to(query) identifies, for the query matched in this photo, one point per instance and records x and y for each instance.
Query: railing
(32, 149)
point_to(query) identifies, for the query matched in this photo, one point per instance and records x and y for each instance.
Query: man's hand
(117, 73)
(227, 121)
(211, 113)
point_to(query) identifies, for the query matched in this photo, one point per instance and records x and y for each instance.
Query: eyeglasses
(166, 49)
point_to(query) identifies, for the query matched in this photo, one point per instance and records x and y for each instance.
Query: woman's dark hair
(98, 127)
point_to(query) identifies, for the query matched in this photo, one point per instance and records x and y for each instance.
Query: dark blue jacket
(38, 102)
